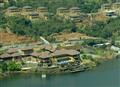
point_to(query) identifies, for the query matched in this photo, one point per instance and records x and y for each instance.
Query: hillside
(100, 26)
(7, 38)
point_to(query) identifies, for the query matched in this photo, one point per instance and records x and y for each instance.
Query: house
(109, 10)
(27, 10)
(62, 12)
(47, 16)
(74, 11)
(12, 11)
(12, 57)
(42, 10)
(106, 7)
(66, 57)
(1, 3)
(58, 58)
(44, 58)
(33, 16)
(116, 7)
(26, 50)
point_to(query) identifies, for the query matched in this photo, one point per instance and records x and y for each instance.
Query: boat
(43, 75)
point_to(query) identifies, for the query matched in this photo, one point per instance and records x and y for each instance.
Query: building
(26, 10)
(1, 3)
(106, 7)
(62, 12)
(42, 10)
(66, 57)
(33, 16)
(110, 10)
(116, 7)
(58, 58)
(47, 57)
(12, 11)
(12, 57)
(74, 11)
(43, 13)
(44, 59)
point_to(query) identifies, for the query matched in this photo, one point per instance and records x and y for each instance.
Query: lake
(105, 75)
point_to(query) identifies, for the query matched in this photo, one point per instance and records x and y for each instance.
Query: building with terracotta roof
(58, 57)
(47, 57)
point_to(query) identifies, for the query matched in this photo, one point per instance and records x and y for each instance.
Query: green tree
(13, 66)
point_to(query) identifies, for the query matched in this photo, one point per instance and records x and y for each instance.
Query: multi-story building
(74, 11)
(62, 12)
(26, 10)
(116, 7)
(33, 16)
(12, 11)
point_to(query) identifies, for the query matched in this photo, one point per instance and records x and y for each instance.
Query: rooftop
(14, 55)
(27, 7)
(56, 53)
(12, 7)
(42, 8)
(62, 8)
(74, 8)
(33, 14)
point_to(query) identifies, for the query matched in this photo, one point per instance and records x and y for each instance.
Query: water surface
(106, 75)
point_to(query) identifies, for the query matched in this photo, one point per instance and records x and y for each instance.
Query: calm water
(106, 75)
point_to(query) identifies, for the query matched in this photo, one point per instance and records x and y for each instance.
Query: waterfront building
(47, 57)
(44, 59)
(66, 57)
(58, 58)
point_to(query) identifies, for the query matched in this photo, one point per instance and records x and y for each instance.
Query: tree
(3, 66)
(13, 66)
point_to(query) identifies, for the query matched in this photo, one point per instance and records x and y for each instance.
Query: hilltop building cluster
(29, 12)
(73, 14)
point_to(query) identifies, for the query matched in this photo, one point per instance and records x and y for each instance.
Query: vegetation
(110, 29)
(13, 66)
(3, 67)
(22, 26)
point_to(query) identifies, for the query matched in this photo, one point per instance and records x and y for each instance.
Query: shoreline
(58, 71)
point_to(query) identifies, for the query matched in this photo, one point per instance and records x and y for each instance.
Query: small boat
(43, 75)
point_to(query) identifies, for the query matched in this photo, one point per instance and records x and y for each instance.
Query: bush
(3, 66)
(13, 66)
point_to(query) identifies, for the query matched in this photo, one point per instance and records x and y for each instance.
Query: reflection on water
(106, 75)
